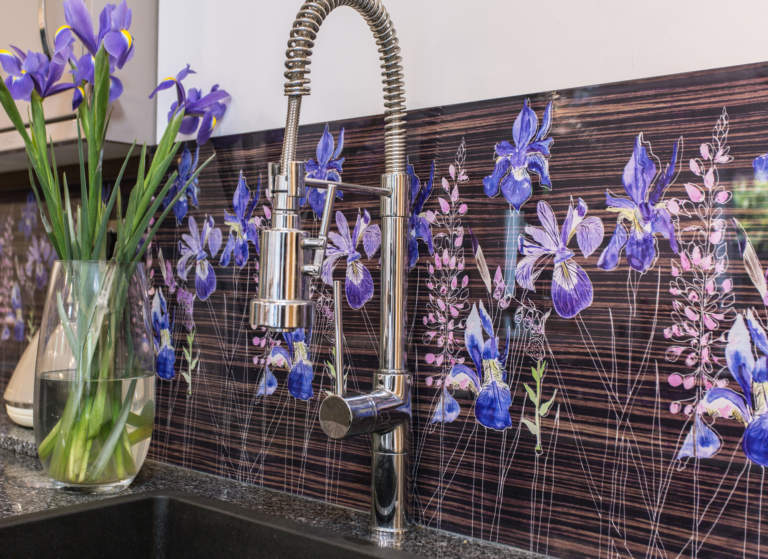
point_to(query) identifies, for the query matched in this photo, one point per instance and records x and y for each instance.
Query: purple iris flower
(28, 219)
(327, 166)
(161, 326)
(114, 22)
(33, 71)
(418, 226)
(644, 213)
(201, 112)
(82, 74)
(750, 407)
(359, 284)
(243, 225)
(530, 154)
(493, 398)
(14, 318)
(196, 249)
(185, 170)
(297, 360)
(760, 165)
(40, 257)
(571, 288)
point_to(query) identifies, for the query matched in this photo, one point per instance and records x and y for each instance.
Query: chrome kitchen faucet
(290, 258)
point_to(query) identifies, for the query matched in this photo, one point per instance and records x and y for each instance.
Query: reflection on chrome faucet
(290, 258)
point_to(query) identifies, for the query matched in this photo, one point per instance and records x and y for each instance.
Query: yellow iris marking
(127, 36)
(82, 91)
(213, 125)
(60, 29)
(169, 79)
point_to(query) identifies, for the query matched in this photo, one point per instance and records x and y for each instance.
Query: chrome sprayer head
(289, 256)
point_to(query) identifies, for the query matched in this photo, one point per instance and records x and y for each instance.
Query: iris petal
(492, 406)
(473, 338)
(516, 187)
(268, 384)
(755, 442)
(641, 251)
(700, 442)
(491, 182)
(446, 410)
(738, 354)
(300, 381)
(638, 172)
(571, 289)
(609, 259)
(359, 285)
(525, 126)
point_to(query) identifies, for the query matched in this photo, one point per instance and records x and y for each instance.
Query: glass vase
(94, 376)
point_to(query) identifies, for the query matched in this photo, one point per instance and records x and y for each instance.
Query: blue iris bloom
(296, 358)
(529, 154)
(493, 398)
(243, 225)
(419, 228)
(326, 166)
(644, 213)
(750, 406)
(161, 326)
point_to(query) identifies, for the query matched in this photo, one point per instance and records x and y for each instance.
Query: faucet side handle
(319, 243)
(338, 332)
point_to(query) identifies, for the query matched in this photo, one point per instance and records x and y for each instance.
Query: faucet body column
(390, 466)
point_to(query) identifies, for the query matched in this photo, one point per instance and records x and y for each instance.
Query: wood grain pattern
(606, 483)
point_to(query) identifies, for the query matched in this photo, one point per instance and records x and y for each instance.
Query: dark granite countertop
(24, 489)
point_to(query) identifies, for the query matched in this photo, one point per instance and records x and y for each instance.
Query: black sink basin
(169, 526)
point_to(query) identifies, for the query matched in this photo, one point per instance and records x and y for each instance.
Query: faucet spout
(290, 258)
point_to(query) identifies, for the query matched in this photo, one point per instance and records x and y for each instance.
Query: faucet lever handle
(319, 243)
(338, 332)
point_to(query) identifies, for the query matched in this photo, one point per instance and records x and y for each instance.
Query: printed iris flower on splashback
(515, 162)
(529, 154)
(572, 290)
(243, 224)
(327, 166)
(162, 328)
(297, 360)
(196, 250)
(358, 283)
(492, 396)
(644, 213)
(14, 320)
(185, 171)
(750, 406)
(40, 257)
(28, 220)
(419, 228)
(760, 166)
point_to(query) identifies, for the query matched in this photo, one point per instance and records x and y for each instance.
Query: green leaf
(531, 394)
(531, 426)
(159, 199)
(544, 409)
(9, 105)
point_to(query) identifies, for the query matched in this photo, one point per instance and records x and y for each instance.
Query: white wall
(453, 50)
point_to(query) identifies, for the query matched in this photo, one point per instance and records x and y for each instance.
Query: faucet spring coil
(298, 59)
